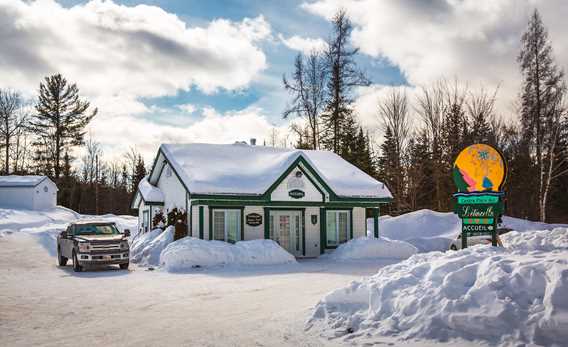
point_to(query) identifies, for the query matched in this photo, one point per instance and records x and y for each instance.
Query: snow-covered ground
(371, 248)
(501, 296)
(43, 304)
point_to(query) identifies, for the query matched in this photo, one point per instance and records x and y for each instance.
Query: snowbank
(537, 240)
(189, 252)
(146, 248)
(14, 220)
(44, 226)
(480, 293)
(366, 248)
(430, 231)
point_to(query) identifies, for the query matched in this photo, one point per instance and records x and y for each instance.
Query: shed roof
(21, 181)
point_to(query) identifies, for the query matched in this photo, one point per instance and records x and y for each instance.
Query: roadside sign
(479, 173)
(479, 168)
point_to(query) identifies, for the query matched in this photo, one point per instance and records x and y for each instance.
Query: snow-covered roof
(21, 181)
(149, 192)
(244, 169)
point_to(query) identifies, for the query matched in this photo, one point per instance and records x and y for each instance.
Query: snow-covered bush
(189, 252)
(480, 293)
(369, 248)
(146, 249)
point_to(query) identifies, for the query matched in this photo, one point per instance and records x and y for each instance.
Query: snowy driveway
(41, 304)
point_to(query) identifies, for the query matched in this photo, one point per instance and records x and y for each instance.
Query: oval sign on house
(253, 219)
(296, 194)
(479, 168)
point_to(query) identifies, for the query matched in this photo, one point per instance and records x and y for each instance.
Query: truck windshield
(105, 229)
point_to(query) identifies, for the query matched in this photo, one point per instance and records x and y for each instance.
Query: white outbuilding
(28, 192)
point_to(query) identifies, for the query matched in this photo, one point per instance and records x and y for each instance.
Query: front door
(287, 230)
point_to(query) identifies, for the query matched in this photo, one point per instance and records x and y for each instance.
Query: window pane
(343, 226)
(331, 228)
(284, 237)
(232, 220)
(219, 225)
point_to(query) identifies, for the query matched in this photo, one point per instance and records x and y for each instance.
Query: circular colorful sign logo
(479, 168)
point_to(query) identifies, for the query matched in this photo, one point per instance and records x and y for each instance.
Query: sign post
(479, 173)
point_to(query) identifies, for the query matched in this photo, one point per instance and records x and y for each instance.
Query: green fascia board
(147, 203)
(244, 202)
(230, 197)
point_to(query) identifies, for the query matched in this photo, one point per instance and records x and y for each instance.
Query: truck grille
(105, 247)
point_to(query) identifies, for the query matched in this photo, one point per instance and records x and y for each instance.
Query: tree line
(39, 137)
(423, 132)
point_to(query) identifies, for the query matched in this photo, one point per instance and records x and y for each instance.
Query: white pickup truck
(89, 243)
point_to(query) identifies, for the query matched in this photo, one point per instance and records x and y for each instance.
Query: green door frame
(302, 222)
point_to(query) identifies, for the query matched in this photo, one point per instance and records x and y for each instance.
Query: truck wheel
(76, 266)
(61, 260)
(453, 248)
(124, 266)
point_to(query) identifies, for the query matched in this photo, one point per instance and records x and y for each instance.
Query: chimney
(253, 142)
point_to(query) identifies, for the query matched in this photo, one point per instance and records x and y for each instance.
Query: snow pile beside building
(146, 248)
(189, 252)
(481, 293)
(369, 248)
(430, 231)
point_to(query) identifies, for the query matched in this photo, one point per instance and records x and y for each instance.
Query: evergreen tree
(387, 167)
(542, 106)
(60, 119)
(418, 169)
(138, 174)
(343, 76)
(66, 183)
(347, 139)
(364, 155)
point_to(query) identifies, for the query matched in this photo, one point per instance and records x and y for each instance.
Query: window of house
(227, 225)
(337, 227)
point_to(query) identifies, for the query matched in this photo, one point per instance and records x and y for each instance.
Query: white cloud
(303, 44)
(120, 51)
(124, 130)
(121, 55)
(475, 41)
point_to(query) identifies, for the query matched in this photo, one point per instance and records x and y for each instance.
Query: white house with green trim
(307, 201)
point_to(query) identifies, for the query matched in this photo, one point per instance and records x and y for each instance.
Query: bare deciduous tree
(12, 121)
(307, 88)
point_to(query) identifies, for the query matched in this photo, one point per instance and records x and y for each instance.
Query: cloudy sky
(186, 71)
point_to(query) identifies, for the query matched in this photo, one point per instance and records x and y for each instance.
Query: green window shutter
(267, 223)
(323, 238)
(201, 211)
